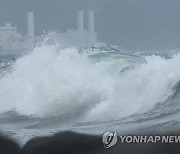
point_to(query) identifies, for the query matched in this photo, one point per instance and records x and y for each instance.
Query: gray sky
(130, 24)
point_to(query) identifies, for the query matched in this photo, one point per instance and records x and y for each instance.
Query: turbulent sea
(50, 90)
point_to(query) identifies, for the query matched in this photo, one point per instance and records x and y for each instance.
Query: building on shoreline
(10, 39)
(80, 37)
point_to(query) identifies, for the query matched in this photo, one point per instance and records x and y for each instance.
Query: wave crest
(50, 82)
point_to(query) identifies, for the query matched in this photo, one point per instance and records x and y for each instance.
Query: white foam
(139, 90)
(52, 82)
(48, 82)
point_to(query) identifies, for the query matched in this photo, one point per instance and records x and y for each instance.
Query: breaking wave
(104, 86)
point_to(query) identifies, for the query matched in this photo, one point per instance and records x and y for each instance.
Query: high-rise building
(92, 36)
(80, 28)
(30, 28)
(80, 21)
(91, 21)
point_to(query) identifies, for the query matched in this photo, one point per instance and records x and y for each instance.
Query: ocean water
(50, 90)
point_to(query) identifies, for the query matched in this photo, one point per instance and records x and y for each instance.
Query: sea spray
(90, 87)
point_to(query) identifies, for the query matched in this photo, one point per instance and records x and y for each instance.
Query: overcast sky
(130, 24)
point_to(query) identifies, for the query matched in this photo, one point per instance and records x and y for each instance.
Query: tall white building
(91, 21)
(30, 27)
(80, 21)
(80, 28)
(92, 39)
